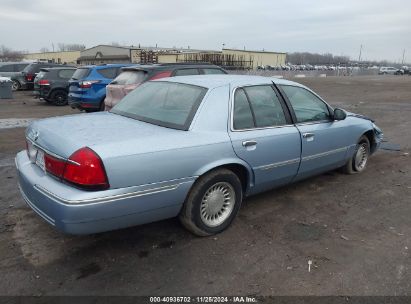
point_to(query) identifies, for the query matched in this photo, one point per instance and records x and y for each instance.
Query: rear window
(166, 104)
(41, 74)
(185, 72)
(66, 74)
(108, 73)
(33, 68)
(80, 73)
(130, 77)
(213, 71)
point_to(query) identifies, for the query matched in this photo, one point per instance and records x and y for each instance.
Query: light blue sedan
(191, 147)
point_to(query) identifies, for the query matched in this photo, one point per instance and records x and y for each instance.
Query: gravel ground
(356, 229)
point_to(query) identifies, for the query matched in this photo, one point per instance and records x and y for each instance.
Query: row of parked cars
(94, 87)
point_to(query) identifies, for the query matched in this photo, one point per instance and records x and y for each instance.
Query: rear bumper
(84, 102)
(75, 211)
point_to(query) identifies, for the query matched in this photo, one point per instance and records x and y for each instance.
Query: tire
(15, 86)
(213, 203)
(358, 162)
(59, 98)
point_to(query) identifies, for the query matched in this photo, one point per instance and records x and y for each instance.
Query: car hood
(108, 134)
(358, 116)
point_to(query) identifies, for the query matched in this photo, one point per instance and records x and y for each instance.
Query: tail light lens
(30, 77)
(87, 83)
(85, 169)
(161, 75)
(44, 82)
(54, 165)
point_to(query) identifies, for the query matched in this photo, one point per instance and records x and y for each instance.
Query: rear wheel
(358, 161)
(59, 98)
(212, 203)
(15, 86)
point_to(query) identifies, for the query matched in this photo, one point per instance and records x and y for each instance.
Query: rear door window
(80, 73)
(66, 74)
(108, 73)
(130, 77)
(185, 72)
(242, 116)
(266, 106)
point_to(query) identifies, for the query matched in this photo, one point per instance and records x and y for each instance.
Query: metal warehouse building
(70, 57)
(259, 58)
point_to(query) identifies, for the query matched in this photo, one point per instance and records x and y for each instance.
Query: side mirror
(339, 114)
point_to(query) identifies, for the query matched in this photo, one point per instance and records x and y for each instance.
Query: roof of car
(103, 66)
(59, 68)
(171, 66)
(214, 81)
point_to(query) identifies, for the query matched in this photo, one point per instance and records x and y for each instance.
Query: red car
(131, 77)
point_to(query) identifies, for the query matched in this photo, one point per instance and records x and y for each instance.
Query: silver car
(191, 146)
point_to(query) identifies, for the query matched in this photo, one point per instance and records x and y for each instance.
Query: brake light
(30, 77)
(87, 83)
(161, 75)
(43, 82)
(85, 169)
(54, 165)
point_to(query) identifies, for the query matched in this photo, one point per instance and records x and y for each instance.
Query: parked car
(388, 70)
(25, 80)
(191, 147)
(131, 77)
(87, 87)
(51, 84)
(12, 70)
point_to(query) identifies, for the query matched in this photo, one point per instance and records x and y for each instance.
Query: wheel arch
(371, 138)
(239, 167)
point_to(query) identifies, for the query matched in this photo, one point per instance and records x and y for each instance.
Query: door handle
(249, 143)
(308, 135)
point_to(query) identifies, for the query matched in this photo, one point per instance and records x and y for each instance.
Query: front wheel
(212, 203)
(358, 161)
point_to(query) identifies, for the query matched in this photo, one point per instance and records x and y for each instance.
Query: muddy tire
(358, 162)
(212, 203)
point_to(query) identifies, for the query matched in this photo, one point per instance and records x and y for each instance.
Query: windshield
(166, 104)
(80, 73)
(130, 77)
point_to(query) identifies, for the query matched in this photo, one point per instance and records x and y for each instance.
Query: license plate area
(40, 160)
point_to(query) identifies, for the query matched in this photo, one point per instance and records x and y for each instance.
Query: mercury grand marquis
(190, 146)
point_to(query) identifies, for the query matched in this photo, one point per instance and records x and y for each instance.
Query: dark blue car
(87, 87)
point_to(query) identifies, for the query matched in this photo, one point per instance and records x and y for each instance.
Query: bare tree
(7, 54)
(44, 50)
(314, 58)
(70, 47)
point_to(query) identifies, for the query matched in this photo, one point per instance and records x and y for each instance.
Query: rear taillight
(85, 169)
(161, 75)
(30, 77)
(43, 82)
(54, 165)
(87, 83)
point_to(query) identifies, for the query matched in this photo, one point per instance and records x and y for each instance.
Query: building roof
(251, 51)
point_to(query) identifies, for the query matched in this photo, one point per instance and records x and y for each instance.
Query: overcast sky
(338, 26)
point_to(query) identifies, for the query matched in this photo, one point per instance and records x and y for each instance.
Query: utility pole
(403, 56)
(359, 57)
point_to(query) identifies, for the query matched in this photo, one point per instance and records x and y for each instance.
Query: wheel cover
(217, 204)
(361, 157)
(15, 86)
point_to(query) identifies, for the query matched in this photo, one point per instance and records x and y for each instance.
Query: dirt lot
(356, 229)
